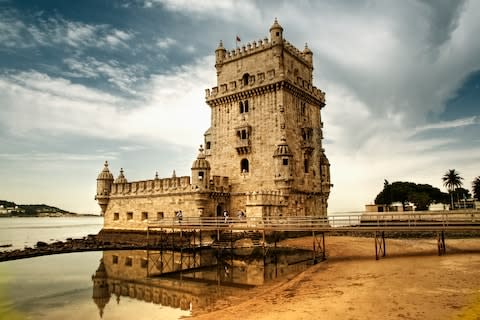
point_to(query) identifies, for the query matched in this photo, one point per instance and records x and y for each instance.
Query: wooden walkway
(438, 222)
(398, 221)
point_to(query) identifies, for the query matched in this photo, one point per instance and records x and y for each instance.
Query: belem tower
(262, 154)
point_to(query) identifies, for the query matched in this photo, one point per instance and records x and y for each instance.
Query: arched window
(245, 106)
(245, 79)
(208, 145)
(244, 165)
(305, 165)
(200, 175)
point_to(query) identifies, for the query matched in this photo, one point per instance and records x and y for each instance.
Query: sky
(82, 82)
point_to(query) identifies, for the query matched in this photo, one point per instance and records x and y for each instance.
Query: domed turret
(101, 294)
(200, 170)
(308, 54)
(283, 159)
(121, 178)
(282, 149)
(220, 54)
(104, 186)
(276, 33)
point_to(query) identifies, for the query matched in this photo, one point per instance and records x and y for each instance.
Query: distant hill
(11, 209)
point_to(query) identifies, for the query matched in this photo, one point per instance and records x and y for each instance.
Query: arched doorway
(219, 210)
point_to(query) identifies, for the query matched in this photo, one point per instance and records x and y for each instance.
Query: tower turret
(201, 170)
(276, 33)
(220, 54)
(121, 177)
(308, 55)
(104, 186)
(283, 159)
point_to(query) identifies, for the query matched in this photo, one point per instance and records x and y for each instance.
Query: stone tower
(266, 128)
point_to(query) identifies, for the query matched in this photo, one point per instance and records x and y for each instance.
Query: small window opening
(129, 215)
(200, 175)
(144, 215)
(208, 145)
(159, 215)
(245, 79)
(245, 106)
(129, 261)
(285, 162)
(242, 110)
(116, 216)
(244, 167)
(143, 263)
(305, 165)
(277, 33)
(244, 134)
(115, 259)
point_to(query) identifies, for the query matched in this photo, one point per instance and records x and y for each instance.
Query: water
(21, 232)
(61, 287)
(136, 284)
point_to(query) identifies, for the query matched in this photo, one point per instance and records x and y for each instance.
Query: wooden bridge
(467, 221)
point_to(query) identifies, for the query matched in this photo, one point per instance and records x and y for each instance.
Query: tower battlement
(259, 86)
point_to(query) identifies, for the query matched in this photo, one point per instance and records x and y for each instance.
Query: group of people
(241, 216)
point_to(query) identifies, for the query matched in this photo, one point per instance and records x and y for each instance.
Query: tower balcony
(307, 146)
(243, 146)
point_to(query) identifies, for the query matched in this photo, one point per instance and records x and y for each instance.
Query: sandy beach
(412, 282)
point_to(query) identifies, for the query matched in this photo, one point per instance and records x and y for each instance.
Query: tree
(476, 188)
(452, 180)
(422, 195)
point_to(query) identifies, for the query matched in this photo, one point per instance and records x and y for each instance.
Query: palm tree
(452, 180)
(476, 188)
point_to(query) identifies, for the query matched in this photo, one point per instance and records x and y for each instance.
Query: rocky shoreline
(89, 243)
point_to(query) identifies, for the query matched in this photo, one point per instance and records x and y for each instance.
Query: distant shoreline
(73, 215)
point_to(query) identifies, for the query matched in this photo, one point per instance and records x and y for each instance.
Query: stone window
(244, 166)
(129, 261)
(305, 165)
(243, 106)
(116, 216)
(143, 263)
(129, 215)
(245, 78)
(208, 145)
(144, 215)
(285, 161)
(159, 215)
(115, 259)
(200, 175)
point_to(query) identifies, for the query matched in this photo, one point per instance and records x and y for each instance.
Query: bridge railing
(406, 220)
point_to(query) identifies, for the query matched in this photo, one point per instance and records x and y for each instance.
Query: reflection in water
(190, 279)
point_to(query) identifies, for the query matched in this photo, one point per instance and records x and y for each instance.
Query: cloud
(225, 9)
(449, 124)
(166, 43)
(35, 102)
(123, 77)
(55, 30)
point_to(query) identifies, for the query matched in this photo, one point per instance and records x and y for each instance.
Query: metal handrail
(467, 220)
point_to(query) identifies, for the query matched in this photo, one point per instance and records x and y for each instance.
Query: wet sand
(412, 282)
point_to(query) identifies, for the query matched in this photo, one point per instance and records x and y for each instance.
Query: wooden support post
(379, 245)
(441, 243)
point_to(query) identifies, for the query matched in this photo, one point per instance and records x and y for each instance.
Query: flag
(238, 39)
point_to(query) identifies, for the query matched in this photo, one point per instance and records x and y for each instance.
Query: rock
(41, 244)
